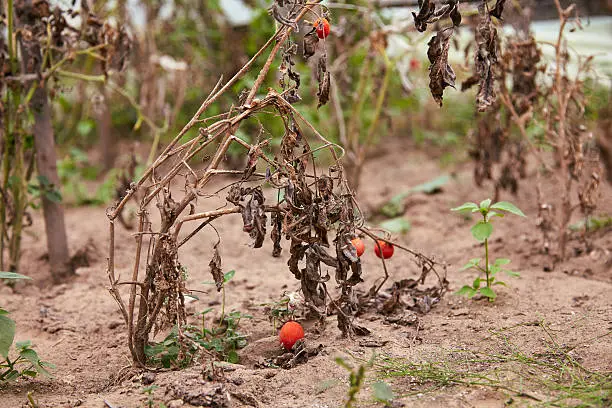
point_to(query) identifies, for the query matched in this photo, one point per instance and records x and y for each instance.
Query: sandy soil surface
(77, 325)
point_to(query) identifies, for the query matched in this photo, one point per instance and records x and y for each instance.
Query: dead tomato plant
(315, 209)
(535, 108)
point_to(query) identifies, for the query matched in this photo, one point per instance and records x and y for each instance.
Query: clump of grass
(550, 378)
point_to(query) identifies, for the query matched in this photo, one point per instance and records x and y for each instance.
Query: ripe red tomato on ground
(359, 246)
(290, 333)
(323, 28)
(387, 250)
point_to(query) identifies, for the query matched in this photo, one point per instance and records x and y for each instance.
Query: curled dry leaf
(428, 13)
(215, 268)
(310, 44)
(276, 234)
(251, 203)
(485, 59)
(441, 74)
(324, 81)
(275, 11)
(498, 9)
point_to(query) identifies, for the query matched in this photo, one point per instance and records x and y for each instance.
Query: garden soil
(77, 325)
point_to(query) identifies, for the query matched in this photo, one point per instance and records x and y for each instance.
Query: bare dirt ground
(548, 317)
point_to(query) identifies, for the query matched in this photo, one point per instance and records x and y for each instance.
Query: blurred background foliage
(181, 48)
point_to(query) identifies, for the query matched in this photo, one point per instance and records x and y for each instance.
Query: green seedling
(179, 351)
(148, 391)
(27, 363)
(282, 310)
(482, 232)
(381, 391)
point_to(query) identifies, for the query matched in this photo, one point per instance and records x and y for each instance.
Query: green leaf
(476, 283)
(466, 207)
(502, 261)
(432, 186)
(466, 291)
(29, 373)
(13, 275)
(7, 334)
(395, 206)
(511, 273)
(23, 344)
(30, 355)
(488, 292)
(382, 391)
(509, 207)
(471, 264)
(84, 127)
(232, 357)
(492, 214)
(397, 225)
(54, 196)
(500, 283)
(228, 276)
(485, 204)
(482, 230)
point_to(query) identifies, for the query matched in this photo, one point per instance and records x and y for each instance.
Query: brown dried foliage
(441, 74)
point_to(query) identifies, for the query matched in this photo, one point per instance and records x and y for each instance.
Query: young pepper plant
(482, 232)
(27, 362)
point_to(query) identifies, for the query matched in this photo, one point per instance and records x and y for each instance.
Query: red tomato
(387, 250)
(359, 246)
(290, 333)
(415, 64)
(322, 26)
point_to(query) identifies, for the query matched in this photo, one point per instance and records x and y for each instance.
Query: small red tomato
(322, 26)
(415, 64)
(290, 333)
(387, 250)
(359, 246)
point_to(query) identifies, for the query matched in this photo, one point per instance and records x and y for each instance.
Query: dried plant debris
(300, 354)
(215, 268)
(290, 79)
(409, 294)
(498, 9)
(33, 18)
(441, 74)
(200, 393)
(168, 287)
(428, 13)
(251, 203)
(485, 59)
(324, 81)
(310, 44)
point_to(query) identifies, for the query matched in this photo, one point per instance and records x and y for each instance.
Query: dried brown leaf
(485, 59)
(310, 44)
(215, 268)
(324, 86)
(498, 9)
(441, 74)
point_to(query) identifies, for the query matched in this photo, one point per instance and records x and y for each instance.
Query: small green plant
(282, 310)
(148, 391)
(224, 340)
(356, 379)
(26, 363)
(481, 232)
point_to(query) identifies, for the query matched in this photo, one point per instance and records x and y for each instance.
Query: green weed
(27, 363)
(482, 232)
